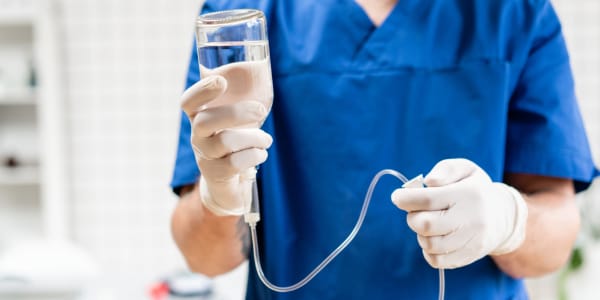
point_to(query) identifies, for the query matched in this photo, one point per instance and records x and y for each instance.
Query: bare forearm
(210, 244)
(552, 227)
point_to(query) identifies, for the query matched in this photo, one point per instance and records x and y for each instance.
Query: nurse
(476, 94)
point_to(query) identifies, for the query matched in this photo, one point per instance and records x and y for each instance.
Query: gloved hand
(462, 215)
(227, 145)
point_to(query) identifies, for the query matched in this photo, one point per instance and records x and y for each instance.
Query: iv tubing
(252, 218)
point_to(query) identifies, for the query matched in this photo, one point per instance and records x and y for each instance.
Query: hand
(227, 145)
(462, 215)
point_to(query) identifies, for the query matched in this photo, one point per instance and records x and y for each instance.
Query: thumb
(450, 171)
(201, 93)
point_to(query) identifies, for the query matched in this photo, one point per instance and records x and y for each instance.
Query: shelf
(18, 99)
(18, 18)
(16, 12)
(19, 288)
(20, 176)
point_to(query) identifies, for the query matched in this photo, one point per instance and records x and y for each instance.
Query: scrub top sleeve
(186, 171)
(545, 133)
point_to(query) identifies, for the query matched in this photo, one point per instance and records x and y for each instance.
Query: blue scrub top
(487, 80)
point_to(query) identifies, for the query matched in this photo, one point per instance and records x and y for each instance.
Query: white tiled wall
(125, 66)
(581, 25)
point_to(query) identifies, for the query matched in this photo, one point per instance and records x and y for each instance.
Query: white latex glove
(462, 215)
(227, 145)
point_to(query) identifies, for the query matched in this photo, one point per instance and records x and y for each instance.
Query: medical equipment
(253, 216)
(233, 55)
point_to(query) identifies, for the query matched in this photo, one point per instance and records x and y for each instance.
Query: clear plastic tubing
(253, 217)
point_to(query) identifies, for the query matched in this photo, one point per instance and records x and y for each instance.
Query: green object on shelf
(576, 260)
(32, 76)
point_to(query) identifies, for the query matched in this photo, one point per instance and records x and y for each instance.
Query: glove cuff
(230, 193)
(517, 236)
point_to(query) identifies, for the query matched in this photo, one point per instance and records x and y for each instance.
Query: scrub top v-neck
(375, 39)
(485, 80)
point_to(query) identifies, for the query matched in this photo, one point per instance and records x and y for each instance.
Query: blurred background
(88, 126)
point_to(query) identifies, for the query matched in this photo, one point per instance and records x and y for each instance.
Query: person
(478, 95)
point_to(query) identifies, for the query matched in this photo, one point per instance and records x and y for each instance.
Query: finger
(212, 120)
(449, 171)
(431, 223)
(225, 168)
(443, 244)
(201, 93)
(451, 260)
(423, 199)
(231, 140)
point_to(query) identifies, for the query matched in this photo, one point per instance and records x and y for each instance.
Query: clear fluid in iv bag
(213, 55)
(246, 67)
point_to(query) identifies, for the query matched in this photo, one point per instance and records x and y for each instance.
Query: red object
(159, 291)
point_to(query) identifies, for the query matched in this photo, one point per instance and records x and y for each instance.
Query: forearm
(210, 244)
(552, 227)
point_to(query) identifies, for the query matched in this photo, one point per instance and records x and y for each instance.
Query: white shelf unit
(33, 179)
(20, 185)
(32, 109)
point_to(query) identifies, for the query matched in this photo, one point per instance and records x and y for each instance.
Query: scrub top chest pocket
(463, 112)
